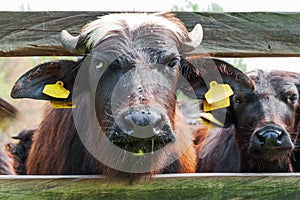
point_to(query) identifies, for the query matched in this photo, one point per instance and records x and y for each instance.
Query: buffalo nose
(143, 118)
(143, 129)
(270, 138)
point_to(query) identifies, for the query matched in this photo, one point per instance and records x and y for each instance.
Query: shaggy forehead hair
(114, 24)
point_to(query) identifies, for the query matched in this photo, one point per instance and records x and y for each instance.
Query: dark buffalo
(126, 122)
(7, 113)
(18, 152)
(259, 135)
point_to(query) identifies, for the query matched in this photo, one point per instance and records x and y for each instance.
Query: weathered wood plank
(225, 34)
(207, 186)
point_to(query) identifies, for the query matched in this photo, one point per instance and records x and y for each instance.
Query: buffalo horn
(69, 41)
(194, 39)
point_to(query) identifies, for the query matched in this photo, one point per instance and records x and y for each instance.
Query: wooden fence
(177, 186)
(225, 34)
(255, 34)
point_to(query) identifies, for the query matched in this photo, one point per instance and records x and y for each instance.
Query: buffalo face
(141, 105)
(266, 117)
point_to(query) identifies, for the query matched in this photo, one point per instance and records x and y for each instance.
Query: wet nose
(270, 137)
(143, 118)
(142, 128)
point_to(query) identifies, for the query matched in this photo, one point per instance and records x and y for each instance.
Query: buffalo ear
(31, 84)
(199, 72)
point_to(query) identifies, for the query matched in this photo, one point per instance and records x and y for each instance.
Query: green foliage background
(193, 6)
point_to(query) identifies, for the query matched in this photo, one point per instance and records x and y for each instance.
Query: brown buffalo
(18, 152)
(7, 113)
(126, 122)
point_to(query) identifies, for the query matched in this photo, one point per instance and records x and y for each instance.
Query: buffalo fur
(274, 101)
(7, 113)
(57, 149)
(18, 152)
(6, 167)
(136, 57)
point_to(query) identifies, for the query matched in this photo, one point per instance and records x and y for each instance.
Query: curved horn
(68, 41)
(194, 39)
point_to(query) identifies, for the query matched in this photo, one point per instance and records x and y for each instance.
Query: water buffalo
(7, 113)
(126, 123)
(257, 136)
(18, 152)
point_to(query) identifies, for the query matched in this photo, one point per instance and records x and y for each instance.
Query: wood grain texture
(207, 186)
(254, 34)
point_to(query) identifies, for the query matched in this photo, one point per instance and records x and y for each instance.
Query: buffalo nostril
(142, 118)
(272, 138)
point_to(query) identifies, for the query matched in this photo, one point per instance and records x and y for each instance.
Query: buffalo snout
(271, 137)
(140, 117)
(141, 128)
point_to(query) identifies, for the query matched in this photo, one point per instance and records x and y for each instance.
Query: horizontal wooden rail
(174, 186)
(254, 34)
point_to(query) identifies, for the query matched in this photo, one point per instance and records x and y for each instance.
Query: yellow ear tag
(214, 106)
(56, 90)
(62, 104)
(140, 153)
(217, 92)
(217, 96)
(210, 117)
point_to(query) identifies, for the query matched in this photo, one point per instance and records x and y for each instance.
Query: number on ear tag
(56, 90)
(217, 92)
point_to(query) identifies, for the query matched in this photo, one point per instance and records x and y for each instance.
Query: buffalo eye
(174, 62)
(238, 99)
(99, 65)
(293, 98)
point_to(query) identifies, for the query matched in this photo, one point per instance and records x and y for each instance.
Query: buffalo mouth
(128, 140)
